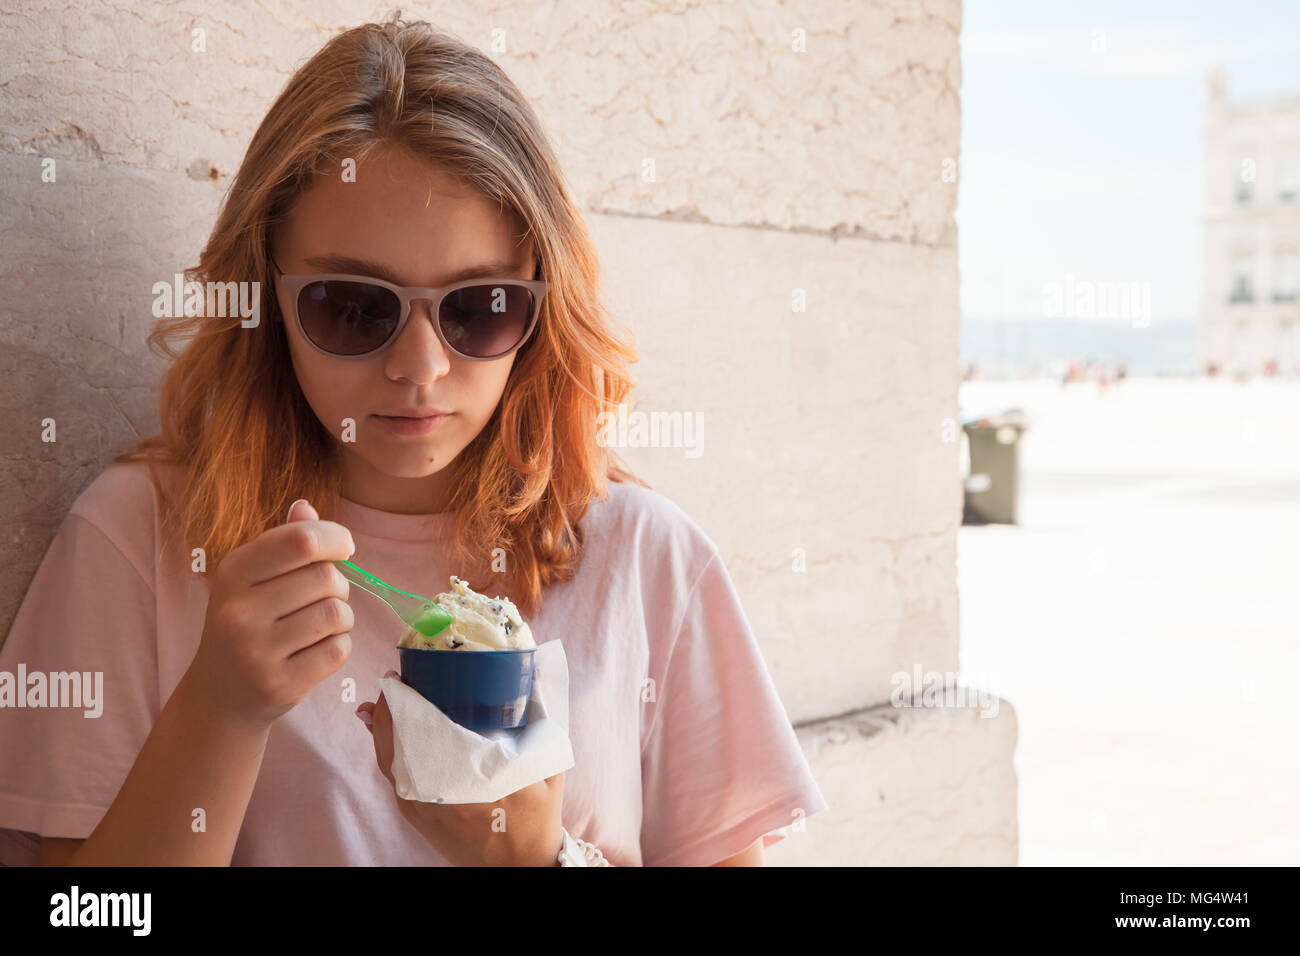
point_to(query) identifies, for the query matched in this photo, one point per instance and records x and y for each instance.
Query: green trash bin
(993, 486)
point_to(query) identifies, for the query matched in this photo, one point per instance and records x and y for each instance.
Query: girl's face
(407, 218)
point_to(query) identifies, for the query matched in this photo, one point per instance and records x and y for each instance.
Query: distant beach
(1018, 348)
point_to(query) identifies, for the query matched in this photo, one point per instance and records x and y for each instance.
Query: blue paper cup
(480, 690)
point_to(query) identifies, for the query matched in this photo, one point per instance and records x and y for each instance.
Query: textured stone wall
(772, 188)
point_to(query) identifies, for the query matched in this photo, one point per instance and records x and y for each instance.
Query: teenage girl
(426, 373)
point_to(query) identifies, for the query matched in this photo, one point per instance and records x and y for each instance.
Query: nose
(418, 354)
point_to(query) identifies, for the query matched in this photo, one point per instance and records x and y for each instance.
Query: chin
(413, 461)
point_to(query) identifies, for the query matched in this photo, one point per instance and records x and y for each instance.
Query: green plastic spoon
(427, 617)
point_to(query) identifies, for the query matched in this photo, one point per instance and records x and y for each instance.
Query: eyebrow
(351, 266)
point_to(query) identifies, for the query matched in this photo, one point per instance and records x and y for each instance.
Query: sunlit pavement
(1144, 620)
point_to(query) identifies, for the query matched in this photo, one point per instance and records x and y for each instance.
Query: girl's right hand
(278, 620)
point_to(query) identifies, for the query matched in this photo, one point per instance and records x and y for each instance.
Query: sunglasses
(350, 316)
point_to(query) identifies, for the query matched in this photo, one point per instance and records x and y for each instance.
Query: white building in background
(1250, 304)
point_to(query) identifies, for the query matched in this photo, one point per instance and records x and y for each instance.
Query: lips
(413, 413)
(413, 424)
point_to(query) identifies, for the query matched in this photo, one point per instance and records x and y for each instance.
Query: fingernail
(393, 674)
(291, 507)
(365, 718)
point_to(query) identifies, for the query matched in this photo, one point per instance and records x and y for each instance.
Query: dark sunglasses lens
(485, 320)
(348, 318)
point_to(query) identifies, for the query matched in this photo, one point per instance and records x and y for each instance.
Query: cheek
(488, 384)
(335, 390)
(492, 384)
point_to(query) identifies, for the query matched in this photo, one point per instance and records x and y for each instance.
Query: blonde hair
(232, 413)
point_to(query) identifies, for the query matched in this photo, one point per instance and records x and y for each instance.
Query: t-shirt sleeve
(78, 688)
(721, 766)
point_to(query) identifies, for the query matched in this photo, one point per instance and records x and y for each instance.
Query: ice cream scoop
(478, 623)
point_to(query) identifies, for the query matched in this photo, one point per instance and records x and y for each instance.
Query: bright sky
(1085, 164)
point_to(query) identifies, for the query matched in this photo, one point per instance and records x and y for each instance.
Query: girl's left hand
(527, 830)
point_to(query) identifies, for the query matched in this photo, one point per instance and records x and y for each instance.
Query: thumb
(301, 510)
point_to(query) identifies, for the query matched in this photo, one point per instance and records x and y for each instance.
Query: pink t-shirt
(689, 778)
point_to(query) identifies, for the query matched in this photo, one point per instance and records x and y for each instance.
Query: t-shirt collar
(374, 523)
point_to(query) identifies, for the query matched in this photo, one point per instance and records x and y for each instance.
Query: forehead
(406, 212)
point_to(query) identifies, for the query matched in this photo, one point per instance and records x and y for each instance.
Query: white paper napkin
(436, 760)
